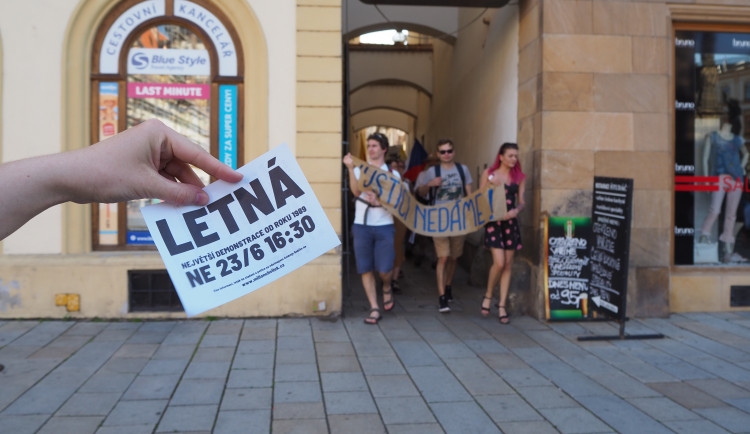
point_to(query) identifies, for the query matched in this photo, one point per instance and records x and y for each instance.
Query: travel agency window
(174, 60)
(712, 133)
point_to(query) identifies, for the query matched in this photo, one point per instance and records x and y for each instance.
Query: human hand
(146, 161)
(435, 182)
(348, 160)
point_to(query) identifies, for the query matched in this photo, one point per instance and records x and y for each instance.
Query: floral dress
(504, 234)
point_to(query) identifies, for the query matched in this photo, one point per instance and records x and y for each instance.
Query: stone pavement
(417, 371)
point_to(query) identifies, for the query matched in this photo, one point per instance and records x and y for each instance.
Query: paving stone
(349, 403)
(302, 391)
(391, 386)
(536, 427)
(126, 429)
(294, 343)
(663, 409)
(694, 427)
(207, 370)
(503, 361)
(524, 378)
(508, 408)
(165, 367)
(415, 428)
(198, 391)
(243, 378)
(574, 420)
(108, 382)
(225, 327)
(416, 353)
(720, 388)
(136, 350)
(404, 410)
(22, 424)
(742, 403)
(122, 365)
(686, 395)
(381, 365)
(253, 361)
(146, 412)
(296, 372)
(152, 387)
(71, 424)
(170, 352)
(729, 418)
(463, 417)
(343, 382)
(356, 423)
(546, 397)
(338, 364)
(294, 357)
(477, 377)
(331, 336)
(214, 354)
(188, 418)
(298, 410)
(299, 426)
(256, 346)
(219, 340)
(241, 422)
(247, 399)
(334, 348)
(437, 384)
(89, 404)
(623, 385)
(621, 416)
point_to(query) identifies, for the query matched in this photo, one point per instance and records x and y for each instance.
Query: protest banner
(250, 234)
(461, 217)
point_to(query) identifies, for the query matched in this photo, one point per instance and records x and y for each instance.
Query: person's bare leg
(505, 283)
(440, 273)
(368, 282)
(450, 270)
(496, 269)
(387, 293)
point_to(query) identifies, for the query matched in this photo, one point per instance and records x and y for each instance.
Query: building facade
(587, 88)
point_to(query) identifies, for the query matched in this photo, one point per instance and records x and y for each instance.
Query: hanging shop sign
(250, 234)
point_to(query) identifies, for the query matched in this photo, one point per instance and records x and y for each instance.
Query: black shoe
(443, 303)
(394, 286)
(448, 293)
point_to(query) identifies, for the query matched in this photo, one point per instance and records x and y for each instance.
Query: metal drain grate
(152, 291)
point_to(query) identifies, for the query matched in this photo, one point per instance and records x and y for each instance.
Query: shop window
(712, 126)
(175, 61)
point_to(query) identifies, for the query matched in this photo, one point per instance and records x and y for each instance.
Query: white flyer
(250, 234)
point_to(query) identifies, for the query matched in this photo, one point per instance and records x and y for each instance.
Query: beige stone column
(594, 101)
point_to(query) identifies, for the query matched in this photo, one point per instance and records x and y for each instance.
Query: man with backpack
(444, 183)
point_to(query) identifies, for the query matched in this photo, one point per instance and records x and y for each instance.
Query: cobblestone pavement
(417, 371)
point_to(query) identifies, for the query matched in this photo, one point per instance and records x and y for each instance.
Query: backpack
(433, 191)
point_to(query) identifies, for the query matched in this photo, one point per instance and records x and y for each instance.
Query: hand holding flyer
(250, 234)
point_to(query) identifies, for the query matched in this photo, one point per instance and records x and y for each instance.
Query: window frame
(215, 80)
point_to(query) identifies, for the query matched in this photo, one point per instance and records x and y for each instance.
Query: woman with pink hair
(503, 237)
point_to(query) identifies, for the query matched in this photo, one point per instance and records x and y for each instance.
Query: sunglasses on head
(445, 151)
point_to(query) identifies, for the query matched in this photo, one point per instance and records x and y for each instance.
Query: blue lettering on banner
(228, 125)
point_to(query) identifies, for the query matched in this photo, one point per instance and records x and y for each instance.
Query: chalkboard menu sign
(610, 244)
(566, 267)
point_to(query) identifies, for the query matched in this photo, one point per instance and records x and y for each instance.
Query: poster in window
(712, 204)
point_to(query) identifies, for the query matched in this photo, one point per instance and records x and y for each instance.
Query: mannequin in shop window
(725, 156)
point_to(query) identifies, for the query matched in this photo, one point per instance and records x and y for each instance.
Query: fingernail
(201, 198)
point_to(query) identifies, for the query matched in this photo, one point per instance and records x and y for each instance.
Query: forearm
(353, 184)
(30, 186)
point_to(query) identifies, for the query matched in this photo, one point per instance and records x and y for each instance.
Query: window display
(712, 197)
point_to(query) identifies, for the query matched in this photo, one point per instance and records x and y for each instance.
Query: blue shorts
(373, 248)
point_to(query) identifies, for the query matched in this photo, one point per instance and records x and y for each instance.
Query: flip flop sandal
(391, 301)
(504, 319)
(373, 320)
(486, 310)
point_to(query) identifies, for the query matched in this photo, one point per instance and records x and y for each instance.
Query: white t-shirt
(376, 216)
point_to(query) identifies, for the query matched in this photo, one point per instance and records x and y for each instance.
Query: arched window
(175, 60)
